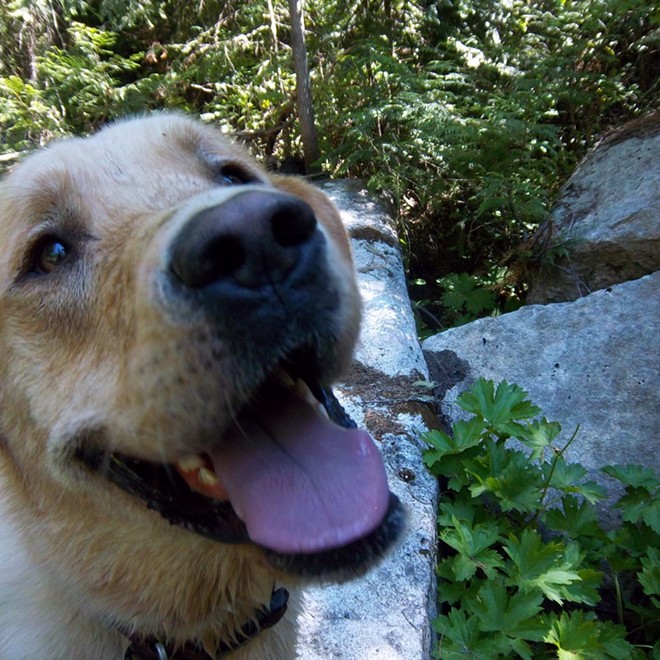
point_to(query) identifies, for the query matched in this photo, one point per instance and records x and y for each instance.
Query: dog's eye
(48, 254)
(231, 175)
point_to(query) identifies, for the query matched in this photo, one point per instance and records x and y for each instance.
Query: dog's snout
(254, 238)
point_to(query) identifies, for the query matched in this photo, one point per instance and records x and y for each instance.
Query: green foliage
(466, 297)
(462, 298)
(472, 127)
(526, 568)
(98, 60)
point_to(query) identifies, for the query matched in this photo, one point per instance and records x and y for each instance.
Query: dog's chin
(319, 553)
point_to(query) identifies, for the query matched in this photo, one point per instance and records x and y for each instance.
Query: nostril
(293, 223)
(206, 252)
(221, 257)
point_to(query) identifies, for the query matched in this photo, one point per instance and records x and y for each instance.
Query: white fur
(37, 617)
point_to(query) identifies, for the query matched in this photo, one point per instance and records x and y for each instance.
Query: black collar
(151, 648)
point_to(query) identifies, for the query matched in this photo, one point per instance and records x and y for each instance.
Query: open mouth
(292, 475)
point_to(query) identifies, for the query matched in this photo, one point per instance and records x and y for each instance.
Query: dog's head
(172, 319)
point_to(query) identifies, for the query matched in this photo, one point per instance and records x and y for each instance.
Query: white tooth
(301, 389)
(303, 392)
(207, 477)
(190, 463)
(283, 375)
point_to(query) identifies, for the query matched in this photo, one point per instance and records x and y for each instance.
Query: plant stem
(552, 471)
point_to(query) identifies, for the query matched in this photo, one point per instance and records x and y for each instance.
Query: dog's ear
(324, 209)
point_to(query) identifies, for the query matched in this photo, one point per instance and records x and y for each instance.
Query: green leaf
(487, 561)
(462, 508)
(537, 435)
(512, 613)
(649, 577)
(628, 543)
(590, 490)
(463, 291)
(568, 478)
(480, 300)
(499, 407)
(638, 505)
(637, 476)
(460, 635)
(453, 467)
(508, 476)
(553, 584)
(587, 589)
(563, 475)
(472, 545)
(613, 639)
(451, 590)
(465, 434)
(539, 565)
(580, 635)
(577, 518)
(450, 455)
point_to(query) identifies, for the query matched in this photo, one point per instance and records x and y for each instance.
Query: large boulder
(605, 228)
(387, 613)
(593, 362)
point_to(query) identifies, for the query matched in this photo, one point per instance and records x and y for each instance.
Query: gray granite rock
(607, 218)
(593, 362)
(386, 614)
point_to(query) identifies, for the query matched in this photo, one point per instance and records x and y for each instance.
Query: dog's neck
(150, 648)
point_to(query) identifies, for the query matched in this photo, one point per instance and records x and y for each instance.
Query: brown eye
(48, 254)
(232, 175)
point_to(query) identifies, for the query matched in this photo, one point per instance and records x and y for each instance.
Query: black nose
(256, 237)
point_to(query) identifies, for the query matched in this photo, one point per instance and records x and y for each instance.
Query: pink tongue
(300, 483)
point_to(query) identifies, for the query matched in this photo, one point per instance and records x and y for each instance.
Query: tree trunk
(304, 93)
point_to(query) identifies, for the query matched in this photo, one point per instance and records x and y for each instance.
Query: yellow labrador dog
(172, 460)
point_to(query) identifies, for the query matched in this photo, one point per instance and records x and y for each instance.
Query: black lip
(164, 491)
